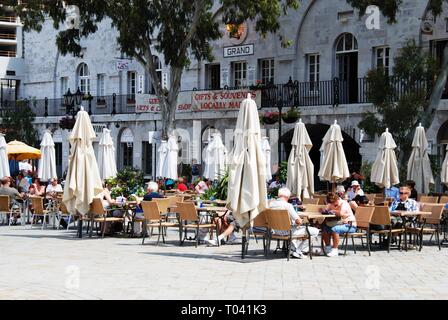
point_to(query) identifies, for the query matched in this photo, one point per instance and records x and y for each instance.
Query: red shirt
(182, 187)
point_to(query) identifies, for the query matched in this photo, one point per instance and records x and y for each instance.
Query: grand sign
(238, 51)
(196, 101)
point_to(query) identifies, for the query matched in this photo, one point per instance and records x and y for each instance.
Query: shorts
(339, 229)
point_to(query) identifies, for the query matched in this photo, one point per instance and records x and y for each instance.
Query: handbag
(331, 222)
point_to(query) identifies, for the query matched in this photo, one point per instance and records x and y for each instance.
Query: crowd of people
(343, 203)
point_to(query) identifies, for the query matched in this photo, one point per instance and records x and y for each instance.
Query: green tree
(180, 30)
(390, 9)
(17, 124)
(399, 100)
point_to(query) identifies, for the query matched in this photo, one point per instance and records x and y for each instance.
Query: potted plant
(258, 85)
(291, 116)
(67, 123)
(270, 117)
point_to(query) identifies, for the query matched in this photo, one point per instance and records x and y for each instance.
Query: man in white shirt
(23, 183)
(298, 247)
(53, 187)
(354, 194)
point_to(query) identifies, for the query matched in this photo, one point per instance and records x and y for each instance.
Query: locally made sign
(238, 51)
(196, 101)
(122, 65)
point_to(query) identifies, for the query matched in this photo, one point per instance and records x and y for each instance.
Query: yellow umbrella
(20, 151)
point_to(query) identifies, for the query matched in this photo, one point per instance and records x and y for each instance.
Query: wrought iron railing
(300, 94)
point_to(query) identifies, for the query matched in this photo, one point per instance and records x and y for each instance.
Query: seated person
(275, 182)
(356, 195)
(181, 186)
(411, 185)
(347, 223)
(202, 186)
(14, 194)
(340, 191)
(298, 247)
(404, 203)
(53, 188)
(169, 184)
(152, 191)
(227, 226)
(39, 188)
(393, 192)
(23, 182)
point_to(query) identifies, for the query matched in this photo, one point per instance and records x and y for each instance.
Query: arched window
(84, 78)
(346, 43)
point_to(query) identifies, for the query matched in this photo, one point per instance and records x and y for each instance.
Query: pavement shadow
(231, 257)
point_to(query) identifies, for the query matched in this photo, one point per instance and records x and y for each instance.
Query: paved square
(51, 264)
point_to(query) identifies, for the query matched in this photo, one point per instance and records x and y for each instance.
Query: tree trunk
(437, 91)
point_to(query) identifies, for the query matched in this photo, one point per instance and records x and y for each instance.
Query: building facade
(330, 41)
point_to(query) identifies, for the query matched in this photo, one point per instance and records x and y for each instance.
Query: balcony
(303, 94)
(9, 54)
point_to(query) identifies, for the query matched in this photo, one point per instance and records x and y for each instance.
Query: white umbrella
(4, 163)
(444, 174)
(218, 157)
(419, 166)
(266, 148)
(300, 167)
(170, 167)
(384, 169)
(83, 182)
(207, 155)
(47, 163)
(106, 156)
(163, 153)
(247, 195)
(334, 166)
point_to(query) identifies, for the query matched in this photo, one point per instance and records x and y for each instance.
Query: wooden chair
(99, 215)
(259, 229)
(63, 212)
(38, 210)
(371, 197)
(279, 220)
(420, 195)
(425, 222)
(429, 199)
(189, 219)
(5, 208)
(443, 199)
(363, 218)
(381, 216)
(310, 201)
(322, 198)
(153, 219)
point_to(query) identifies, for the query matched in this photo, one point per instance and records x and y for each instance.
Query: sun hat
(355, 183)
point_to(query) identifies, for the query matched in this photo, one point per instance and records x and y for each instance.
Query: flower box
(270, 118)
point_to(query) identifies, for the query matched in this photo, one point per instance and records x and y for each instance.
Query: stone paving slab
(53, 264)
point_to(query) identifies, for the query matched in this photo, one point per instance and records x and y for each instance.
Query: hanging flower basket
(270, 117)
(291, 116)
(67, 123)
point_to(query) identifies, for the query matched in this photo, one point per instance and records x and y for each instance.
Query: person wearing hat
(355, 195)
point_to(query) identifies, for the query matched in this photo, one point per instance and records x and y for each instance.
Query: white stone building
(329, 41)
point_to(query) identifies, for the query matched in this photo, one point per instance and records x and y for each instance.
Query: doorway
(347, 68)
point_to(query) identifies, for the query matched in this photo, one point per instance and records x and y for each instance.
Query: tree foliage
(399, 100)
(17, 124)
(179, 30)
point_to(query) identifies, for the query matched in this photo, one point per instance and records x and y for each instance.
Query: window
(132, 84)
(147, 158)
(346, 43)
(240, 74)
(382, 58)
(126, 148)
(64, 86)
(101, 85)
(345, 15)
(158, 65)
(267, 71)
(84, 78)
(213, 76)
(313, 71)
(185, 151)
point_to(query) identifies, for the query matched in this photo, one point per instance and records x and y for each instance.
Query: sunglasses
(403, 192)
